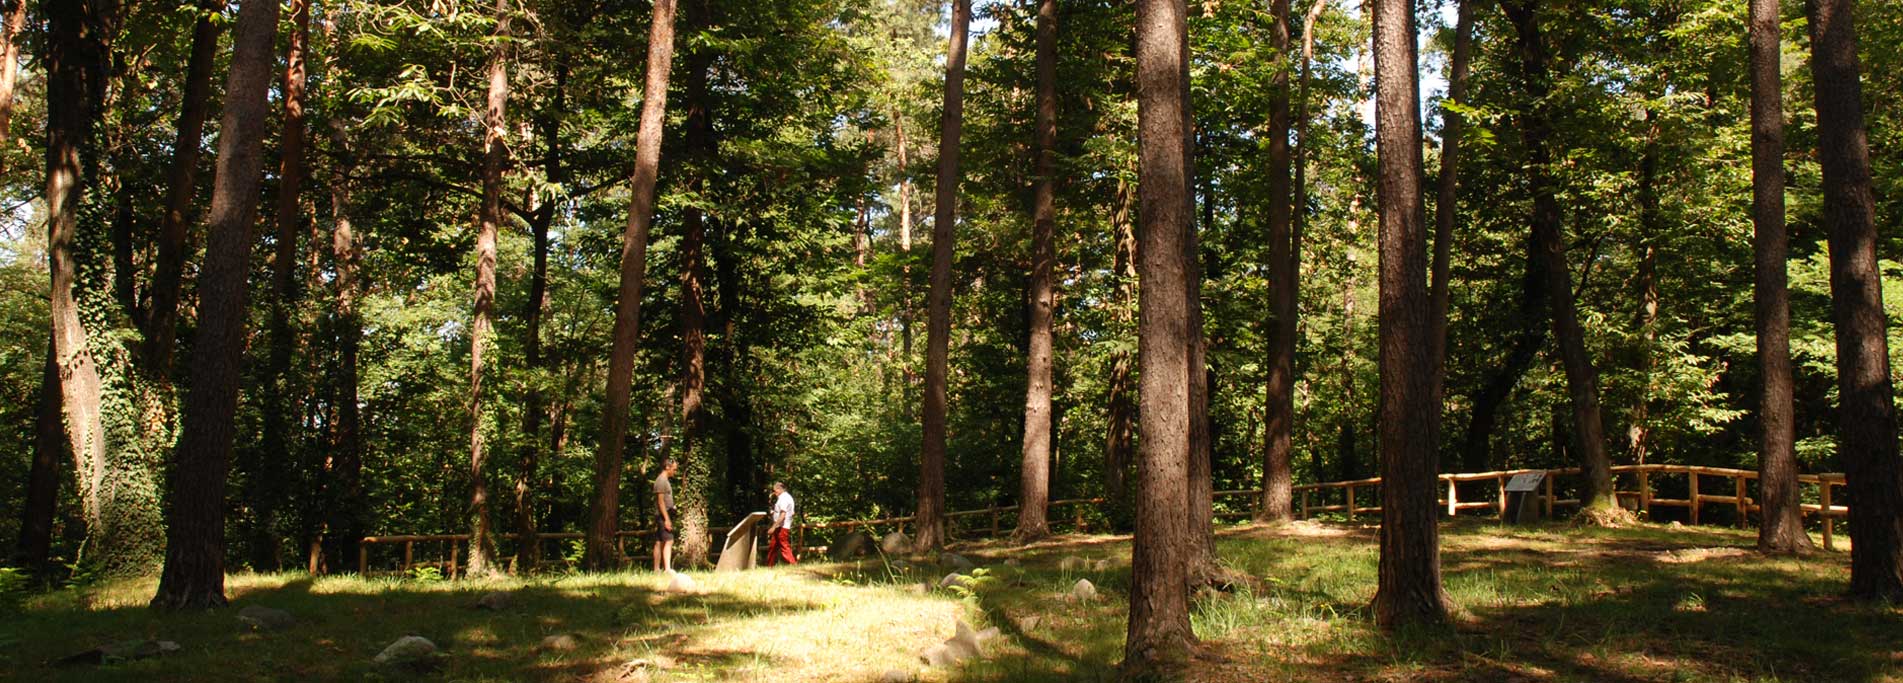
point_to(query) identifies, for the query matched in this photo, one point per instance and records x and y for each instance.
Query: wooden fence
(1311, 499)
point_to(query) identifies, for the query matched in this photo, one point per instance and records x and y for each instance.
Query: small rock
(1070, 563)
(954, 579)
(1102, 565)
(1676, 525)
(561, 642)
(261, 618)
(1030, 624)
(407, 650)
(938, 655)
(121, 651)
(1083, 591)
(897, 676)
(956, 561)
(895, 543)
(1012, 562)
(852, 545)
(496, 601)
(682, 583)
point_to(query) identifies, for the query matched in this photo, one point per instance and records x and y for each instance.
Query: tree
(1447, 186)
(1597, 501)
(1158, 638)
(162, 321)
(1781, 526)
(696, 460)
(1866, 417)
(194, 575)
(344, 488)
(1408, 589)
(1034, 498)
(489, 221)
(930, 519)
(528, 552)
(10, 36)
(600, 551)
(42, 490)
(1284, 294)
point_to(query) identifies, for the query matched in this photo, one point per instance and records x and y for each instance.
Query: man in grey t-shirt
(664, 503)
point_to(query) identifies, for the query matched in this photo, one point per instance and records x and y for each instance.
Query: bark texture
(168, 277)
(344, 519)
(10, 68)
(1408, 589)
(1035, 483)
(697, 478)
(604, 514)
(1866, 416)
(1446, 194)
(1781, 521)
(194, 575)
(495, 156)
(931, 479)
(1278, 422)
(42, 487)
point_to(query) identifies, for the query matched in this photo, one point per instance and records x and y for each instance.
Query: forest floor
(1542, 603)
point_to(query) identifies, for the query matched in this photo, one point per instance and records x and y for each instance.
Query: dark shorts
(661, 534)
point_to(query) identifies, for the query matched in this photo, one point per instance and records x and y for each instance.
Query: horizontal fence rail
(1312, 499)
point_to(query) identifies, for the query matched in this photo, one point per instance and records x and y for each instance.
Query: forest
(280, 275)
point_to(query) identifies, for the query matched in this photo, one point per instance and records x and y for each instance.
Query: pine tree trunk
(1582, 380)
(931, 481)
(696, 481)
(1200, 539)
(272, 468)
(1781, 521)
(162, 322)
(1158, 638)
(344, 517)
(42, 488)
(194, 575)
(482, 559)
(1408, 589)
(1034, 495)
(1866, 416)
(1279, 401)
(1121, 441)
(604, 514)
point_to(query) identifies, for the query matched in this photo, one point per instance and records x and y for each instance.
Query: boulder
(963, 645)
(261, 618)
(895, 543)
(562, 642)
(408, 650)
(1083, 591)
(954, 579)
(850, 546)
(682, 583)
(956, 561)
(495, 601)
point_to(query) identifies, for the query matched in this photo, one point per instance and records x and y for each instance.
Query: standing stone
(1083, 591)
(407, 650)
(956, 561)
(495, 601)
(851, 545)
(261, 618)
(895, 543)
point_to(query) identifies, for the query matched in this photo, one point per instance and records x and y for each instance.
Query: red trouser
(779, 547)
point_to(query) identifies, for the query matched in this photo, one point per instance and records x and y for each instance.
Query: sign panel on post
(1525, 482)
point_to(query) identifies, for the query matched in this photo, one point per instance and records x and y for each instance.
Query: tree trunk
(1279, 402)
(10, 68)
(604, 513)
(194, 575)
(162, 322)
(345, 514)
(696, 482)
(264, 488)
(1637, 431)
(1408, 590)
(42, 488)
(905, 264)
(1034, 495)
(1781, 521)
(528, 551)
(495, 155)
(1598, 503)
(1121, 419)
(1447, 198)
(1866, 417)
(1200, 542)
(1158, 638)
(931, 480)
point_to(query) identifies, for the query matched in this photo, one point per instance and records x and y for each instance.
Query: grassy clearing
(1545, 603)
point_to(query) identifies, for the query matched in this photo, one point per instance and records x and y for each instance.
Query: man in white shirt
(780, 541)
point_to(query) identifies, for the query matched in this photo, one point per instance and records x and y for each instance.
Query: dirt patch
(1694, 555)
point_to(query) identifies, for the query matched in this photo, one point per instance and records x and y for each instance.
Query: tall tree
(931, 479)
(42, 489)
(1034, 495)
(1597, 501)
(600, 551)
(696, 465)
(1408, 589)
(528, 552)
(1447, 187)
(10, 36)
(1866, 417)
(495, 156)
(194, 574)
(344, 488)
(1279, 408)
(169, 273)
(1159, 636)
(264, 487)
(1120, 442)
(1781, 521)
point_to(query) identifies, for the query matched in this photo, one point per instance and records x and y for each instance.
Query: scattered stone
(1071, 563)
(940, 655)
(1676, 525)
(682, 583)
(407, 651)
(895, 543)
(261, 618)
(1012, 562)
(495, 601)
(955, 579)
(563, 642)
(1030, 624)
(1102, 565)
(897, 676)
(121, 651)
(1083, 591)
(956, 561)
(852, 545)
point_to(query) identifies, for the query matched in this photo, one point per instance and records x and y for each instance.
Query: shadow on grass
(343, 623)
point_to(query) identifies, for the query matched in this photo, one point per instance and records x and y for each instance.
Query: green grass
(1648, 603)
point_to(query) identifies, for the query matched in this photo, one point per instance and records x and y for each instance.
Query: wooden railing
(1313, 498)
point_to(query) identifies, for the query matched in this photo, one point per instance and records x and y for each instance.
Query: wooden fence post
(1080, 518)
(1693, 476)
(1305, 503)
(1744, 510)
(1549, 494)
(455, 558)
(363, 560)
(1351, 501)
(1645, 492)
(1500, 483)
(408, 555)
(1453, 498)
(994, 521)
(1823, 510)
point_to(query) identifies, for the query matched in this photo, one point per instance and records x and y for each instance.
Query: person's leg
(667, 555)
(655, 553)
